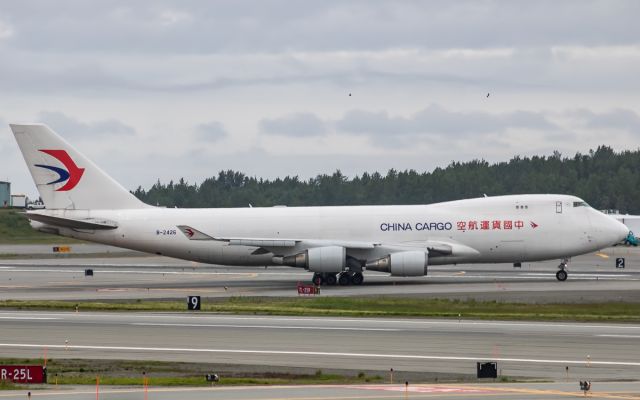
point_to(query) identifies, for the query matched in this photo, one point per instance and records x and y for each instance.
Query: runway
(522, 349)
(415, 346)
(591, 278)
(529, 391)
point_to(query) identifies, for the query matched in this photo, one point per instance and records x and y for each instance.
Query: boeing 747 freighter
(336, 244)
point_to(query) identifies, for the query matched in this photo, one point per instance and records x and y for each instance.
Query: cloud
(170, 17)
(274, 70)
(6, 30)
(436, 120)
(433, 123)
(618, 118)
(211, 131)
(299, 124)
(73, 127)
(267, 26)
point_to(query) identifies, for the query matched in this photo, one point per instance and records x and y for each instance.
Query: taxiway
(592, 277)
(522, 349)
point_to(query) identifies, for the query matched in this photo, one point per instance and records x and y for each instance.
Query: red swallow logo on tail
(71, 174)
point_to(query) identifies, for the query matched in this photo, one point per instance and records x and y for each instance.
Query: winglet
(193, 234)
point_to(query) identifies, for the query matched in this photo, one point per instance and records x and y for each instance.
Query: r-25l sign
(23, 373)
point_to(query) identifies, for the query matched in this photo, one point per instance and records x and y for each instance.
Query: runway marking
(535, 275)
(621, 336)
(96, 271)
(440, 274)
(394, 321)
(326, 328)
(489, 391)
(581, 274)
(318, 396)
(28, 318)
(554, 393)
(424, 389)
(317, 353)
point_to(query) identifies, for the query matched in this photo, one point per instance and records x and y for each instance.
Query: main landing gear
(344, 278)
(561, 275)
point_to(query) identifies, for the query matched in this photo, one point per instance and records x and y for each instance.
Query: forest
(604, 178)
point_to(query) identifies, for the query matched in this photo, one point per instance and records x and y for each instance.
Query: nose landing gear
(561, 275)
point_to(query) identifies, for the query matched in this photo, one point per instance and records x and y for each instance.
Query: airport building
(18, 201)
(5, 194)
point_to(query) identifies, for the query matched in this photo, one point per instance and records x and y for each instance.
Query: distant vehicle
(36, 205)
(335, 243)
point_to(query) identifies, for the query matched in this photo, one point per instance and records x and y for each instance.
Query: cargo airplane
(336, 244)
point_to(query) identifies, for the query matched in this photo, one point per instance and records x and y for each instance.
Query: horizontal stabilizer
(89, 223)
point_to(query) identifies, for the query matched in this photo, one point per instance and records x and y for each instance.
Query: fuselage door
(558, 207)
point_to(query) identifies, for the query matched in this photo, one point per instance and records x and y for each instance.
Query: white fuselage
(493, 229)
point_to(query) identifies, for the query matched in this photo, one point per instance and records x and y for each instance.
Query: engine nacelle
(404, 263)
(330, 259)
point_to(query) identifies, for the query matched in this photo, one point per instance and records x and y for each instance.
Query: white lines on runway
(621, 336)
(313, 328)
(533, 276)
(139, 272)
(315, 353)
(360, 321)
(103, 271)
(28, 318)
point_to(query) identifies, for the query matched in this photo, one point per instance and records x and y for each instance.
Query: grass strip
(383, 306)
(158, 373)
(15, 229)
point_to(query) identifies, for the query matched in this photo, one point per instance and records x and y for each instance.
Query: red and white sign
(23, 373)
(308, 290)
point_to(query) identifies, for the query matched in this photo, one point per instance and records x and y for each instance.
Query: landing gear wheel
(344, 279)
(330, 279)
(357, 278)
(561, 275)
(317, 279)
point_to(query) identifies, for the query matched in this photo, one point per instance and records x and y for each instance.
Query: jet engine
(331, 259)
(404, 263)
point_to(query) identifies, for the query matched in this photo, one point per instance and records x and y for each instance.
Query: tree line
(604, 178)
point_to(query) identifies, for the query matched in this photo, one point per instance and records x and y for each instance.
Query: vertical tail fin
(64, 177)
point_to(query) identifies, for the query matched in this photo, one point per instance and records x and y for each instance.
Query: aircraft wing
(194, 234)
(435, 247)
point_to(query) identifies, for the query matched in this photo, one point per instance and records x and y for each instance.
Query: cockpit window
(580, 204)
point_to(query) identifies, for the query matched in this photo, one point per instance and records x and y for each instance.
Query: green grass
(15, 229)
(158, 373)
(368, 307)
(6, 385)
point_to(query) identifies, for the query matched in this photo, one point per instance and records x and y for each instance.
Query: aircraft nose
(616, 231)
(608, 230)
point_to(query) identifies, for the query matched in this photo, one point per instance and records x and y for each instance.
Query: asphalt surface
(591, 278)
(522, 349)
(600, 390)
(600, 352)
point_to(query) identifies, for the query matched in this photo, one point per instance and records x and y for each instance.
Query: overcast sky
(162, 89)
